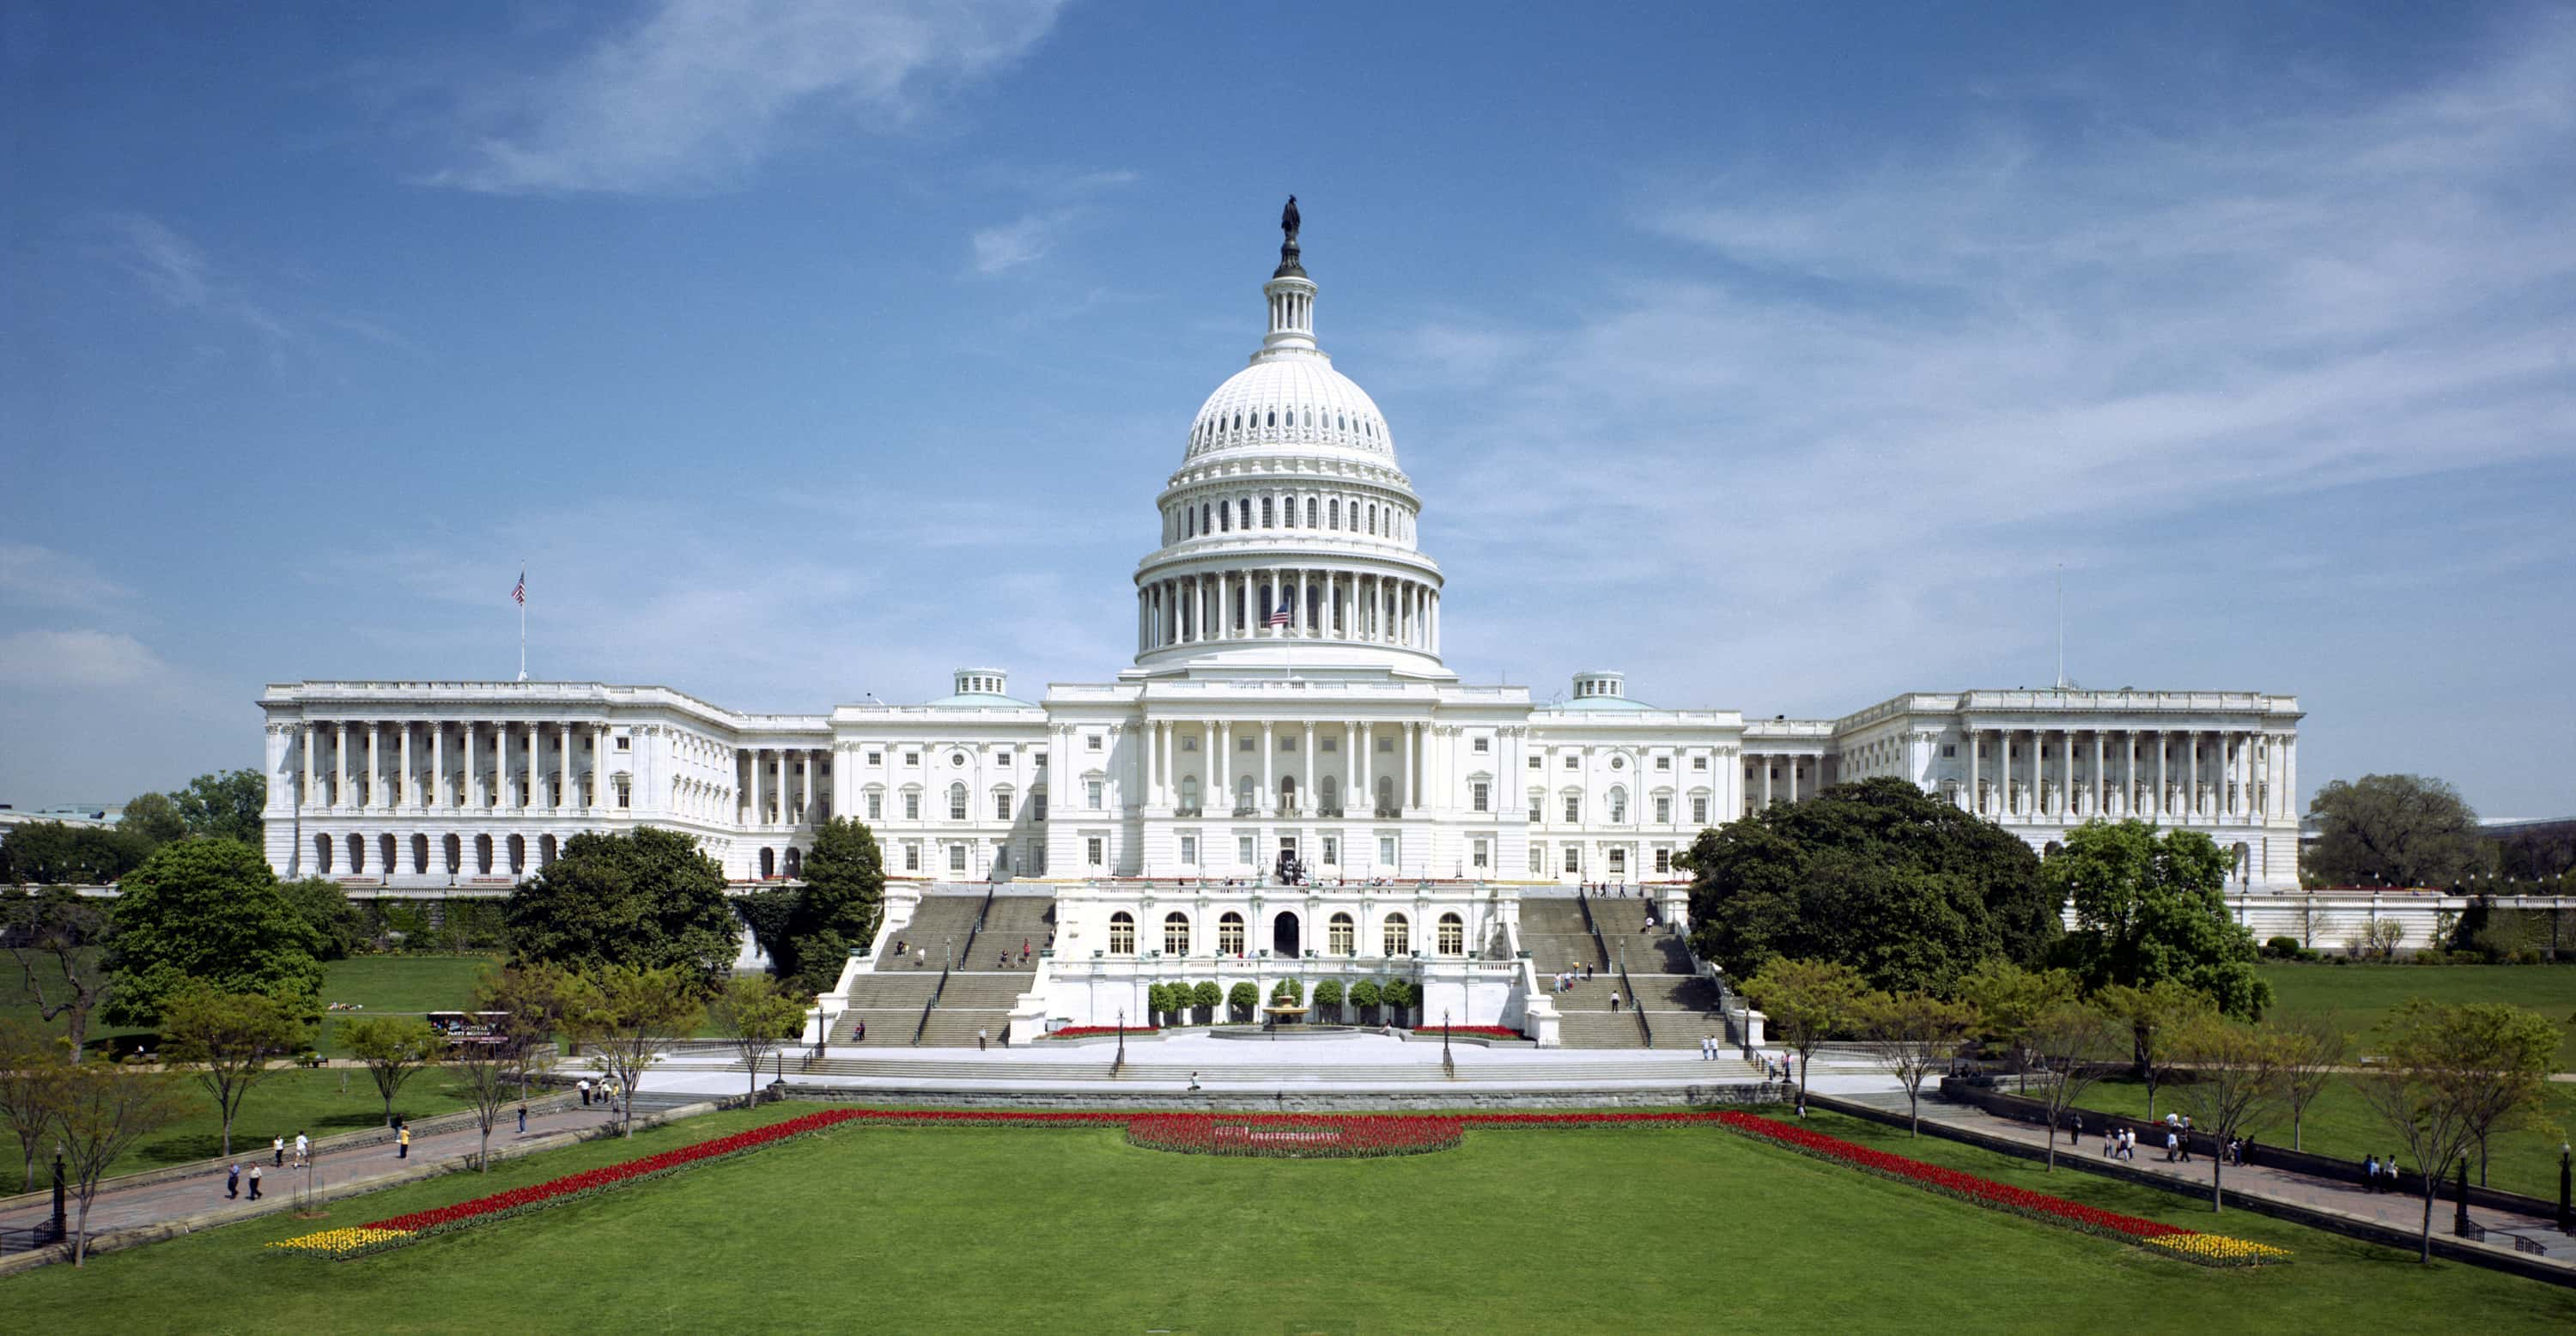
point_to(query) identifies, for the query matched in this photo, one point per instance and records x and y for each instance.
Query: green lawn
(1009, 1230)
(318, 1103)
(2341, 1124)
(2361, 996)
(398, 983)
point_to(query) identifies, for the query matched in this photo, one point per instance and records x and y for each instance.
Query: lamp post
(1447, 1063)
(2566, 1217)
(1122, 1039)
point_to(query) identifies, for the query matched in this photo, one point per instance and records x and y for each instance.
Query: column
(1364, 756)
(2066, 773)
(1223, 764)
(1765, 762)
(1404, 792)
(2191, 775)
(375, 771)
(2163, 804)
(563, 766)
(1975, 740)
(2100, 789)
(779, 775)
(436, 796)
(340, 766)
(309, 776)
(1269, 770)
(805, 809)
(1306, 770)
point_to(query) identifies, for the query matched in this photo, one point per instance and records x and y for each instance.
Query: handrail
(1636, 1004)
(927, 1007)
(981, 914)
(1585, 902)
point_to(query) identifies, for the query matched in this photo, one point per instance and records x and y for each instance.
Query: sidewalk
(2395, 1212)
(173, 1199)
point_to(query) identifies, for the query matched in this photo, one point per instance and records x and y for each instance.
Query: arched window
(1266, 517)
(1288, 513)
(1453, 935)
(1225, 519)
(485, 860)
(455, 851)
(1229, 934)
(1245, 505)
(1372, 517)
(1176, 934)
(1341, 936)
(1386, 795)
(1399, 935)
(1242, 794)
(518, 853)
(1310, 512)
(322, 852)
(1122, 934)
(357, 853)
(1329, 793)
(1189, 795)
(956, 802)
(1205, 512)
(1618, 806)
(1287, 793)
(545, 850)
(1274, 417)
(768, 864)
(1333, 513)
(385, 854)
(795, 862)
(420, 853)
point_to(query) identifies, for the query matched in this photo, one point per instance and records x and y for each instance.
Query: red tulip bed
(1469, 1031)
(1087, 1031)
(1295, 1136)
(2174, 1240)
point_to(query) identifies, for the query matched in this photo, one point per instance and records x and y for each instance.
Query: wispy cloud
(2029, 350)
(49, 660)
(174, 270)
(32, 576)
(1017, 243)
(1033, 234)
(698, 92)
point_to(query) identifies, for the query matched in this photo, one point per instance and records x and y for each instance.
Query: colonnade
(776, 786)
(1320, 605)
(1357, 743)
(2199, 776)
(419, 767)
(1295, 508)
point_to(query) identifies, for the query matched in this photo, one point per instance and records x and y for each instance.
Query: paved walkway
(173, 1199)
(2397, 1211)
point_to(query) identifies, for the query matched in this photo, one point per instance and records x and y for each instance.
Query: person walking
(584, 1086)
(254, 1181)
(277, 1148)
(402, 1142)
(303, 1150)
(523, 1120)
(2370, 1173)
(1614, 999)
(2173, 1139)
(980, 1036)
(232, 1182)
(2388, 1174)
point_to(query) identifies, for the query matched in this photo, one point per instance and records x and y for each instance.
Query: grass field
(2361, 996)
(1010, 1230)
(412, 983)
(292, 1100)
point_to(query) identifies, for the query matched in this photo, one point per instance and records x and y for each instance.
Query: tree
(99, 1115)
(648, 900)
(51, 853)
(2446, 1070)
(395, 1049)
(1207, 997)
(339, 929)
(1917, 1034)
(2073, 1043)
(2011, 1000)
(486, 1074)
(838, 909)
(1241, 999)
(225, 806)
(54, 935)
(629, 1011)
(1328, 999)
(1878, 875)
(2236, 1079)
(2520, 1047)
(27, 1062)
(1397, 996)
(152, 819)
(231, 1041)
(754, 1015)
(2154, 1014)
(1807, 1002)
(2393, 830)
(206, 911)
(2312, 1054)
(2151, 907)
(1363, 998)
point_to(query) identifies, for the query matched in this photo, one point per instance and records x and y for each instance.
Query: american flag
(1279, 615)
(520, 591)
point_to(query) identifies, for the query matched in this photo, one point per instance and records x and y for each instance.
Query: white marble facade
(1287, 692)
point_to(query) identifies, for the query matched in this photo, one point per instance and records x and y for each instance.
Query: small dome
(1292, 402)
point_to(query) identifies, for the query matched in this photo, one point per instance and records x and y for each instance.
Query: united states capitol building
(1287, 703)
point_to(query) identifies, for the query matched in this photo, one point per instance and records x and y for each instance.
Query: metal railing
(927, 1007)
(1636, 1004)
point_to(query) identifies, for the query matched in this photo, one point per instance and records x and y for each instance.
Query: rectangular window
(1245, 743)
(912, 807)
(1189, 744)
(1699, 811)
(1041, 760)
(1573, 859)
(1537, 762)
(1949, 749)
(1330, 744)
(1574, 763)
(1538, 806)
(1091, 850)
(1699, 763)
(912, 858)
(1091, 789)
(1091, 741)
(1538, 861)
(1001, 807)
(1479, 859)
(1476, 793)
(876, 807)
(1386, 850)
(1243, 850)
(625, 744)
(1386, 746)
(1037, 805)
(1333, 849)
(1573, 809)
(1663, 811)
(1287, 742)
(1310, 512)
(622, 796)
(956, 858)
(1618, 861)
(1189, 851)
(876, 758)
(1663, 763)
(1663, 860)
(912, 758)
(1482, 746)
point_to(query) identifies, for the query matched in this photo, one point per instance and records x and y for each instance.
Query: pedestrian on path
(254, 1181)
(402, 1142)
(980, 1036)
(523, 1120)
(2388, 1174)
(303, 1150)
(2370, 1173)
(1614, 999)
(277, 1147)
(584, 1086)
(2173, 1140)
(232, 1183)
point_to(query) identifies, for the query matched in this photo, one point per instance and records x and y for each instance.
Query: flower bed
(2206, 1249)
(1295, 1136)
(1098, 1031)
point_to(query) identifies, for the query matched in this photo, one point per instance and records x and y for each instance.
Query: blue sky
(806, 350)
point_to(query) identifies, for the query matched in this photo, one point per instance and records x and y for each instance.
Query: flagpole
(523, 620)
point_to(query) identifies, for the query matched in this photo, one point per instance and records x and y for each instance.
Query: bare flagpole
(520, 594)
(2061, 626)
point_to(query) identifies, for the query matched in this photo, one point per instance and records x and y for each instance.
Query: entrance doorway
(1283, 936)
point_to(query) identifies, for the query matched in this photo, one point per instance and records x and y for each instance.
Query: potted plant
(1241, 999)
(1207, 997)
(1363, 995)
(1398, 997)
(1328, 1000)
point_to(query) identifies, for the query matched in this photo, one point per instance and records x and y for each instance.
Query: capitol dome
(1285, 401)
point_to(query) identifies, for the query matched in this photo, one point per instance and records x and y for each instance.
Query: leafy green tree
(2152, 906)
(752, 1013)
(1241, 999)
(1363, 997)
(766, 912)
(2157, 1015)
(153, 819)
(1878, 875)
(1397, 996)
(225, 806)
(339, 929)
(1328, 999)
(1288, 991)
(231, 1042)
(2236, 1080)
(207, 911)
(2446, 1071)
(1158, 1001)
(648, 899)
(2074, 1043)
(394, 1048)
(54, 934)
(99, 1115)
(837, 910)
(534, 1002)
(52, 853)
(28, 1058)
(628, 1012)
(1805, 1002)
(1207, 997)
(2312, 1054)
(1917, 1034)
(2393, 830)
(2011, 1001)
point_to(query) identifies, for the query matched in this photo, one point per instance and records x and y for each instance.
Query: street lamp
(1122, 1040)
(2566, 1217)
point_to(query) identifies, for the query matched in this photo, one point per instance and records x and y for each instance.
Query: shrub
(1288, 991)
(1241, 999)
(1207, 997)
(1328, 999)
(2286, 948)
(1363, 995)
